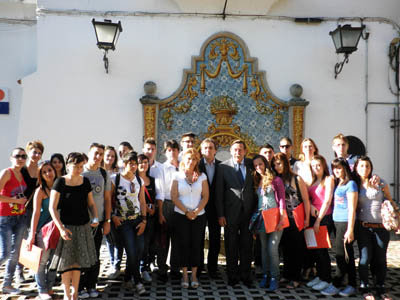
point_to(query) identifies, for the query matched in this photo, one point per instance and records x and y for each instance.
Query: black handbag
(256, 221)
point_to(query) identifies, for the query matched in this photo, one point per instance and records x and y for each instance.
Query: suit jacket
(210, 207)
(234, 201)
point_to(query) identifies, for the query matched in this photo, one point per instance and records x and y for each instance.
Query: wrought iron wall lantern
(107, 34)
(346, 38)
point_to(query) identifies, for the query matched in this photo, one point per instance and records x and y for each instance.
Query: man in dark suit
(209, 165)
(236, 201)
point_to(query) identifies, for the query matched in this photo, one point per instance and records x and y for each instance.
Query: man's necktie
(240, 175)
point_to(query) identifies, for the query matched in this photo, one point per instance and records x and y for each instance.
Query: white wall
(70, 101)
(17, 60)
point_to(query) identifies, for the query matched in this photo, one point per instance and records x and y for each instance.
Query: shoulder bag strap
(298, 189)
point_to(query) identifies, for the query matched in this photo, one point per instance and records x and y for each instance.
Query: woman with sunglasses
(41, 216)
(12, 210)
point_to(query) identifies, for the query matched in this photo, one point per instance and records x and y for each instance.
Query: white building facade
(65, 98)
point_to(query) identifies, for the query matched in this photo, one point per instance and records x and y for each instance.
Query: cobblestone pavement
(209, 289)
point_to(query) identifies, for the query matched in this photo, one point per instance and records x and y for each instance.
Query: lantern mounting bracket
(339, 66)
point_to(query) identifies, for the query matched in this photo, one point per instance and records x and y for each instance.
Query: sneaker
(44, 296)
(153, 267)
(263, 282)
(19, 277)
(330, 290)
(146, 276)
(140, 288)
(83, 294)
(313, 282)
(347, 291)
(10, 290)
(320, 286)
(273, 285)
(114, 274)
(93, 293)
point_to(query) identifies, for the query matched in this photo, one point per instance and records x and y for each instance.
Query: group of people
(144, 208)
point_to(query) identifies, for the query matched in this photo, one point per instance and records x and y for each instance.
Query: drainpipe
(366, 95)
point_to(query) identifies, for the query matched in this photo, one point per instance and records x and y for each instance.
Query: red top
(12, 188)
(317, 197)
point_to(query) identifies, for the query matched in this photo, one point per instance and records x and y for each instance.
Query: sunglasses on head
(22, 156)
(97, 145)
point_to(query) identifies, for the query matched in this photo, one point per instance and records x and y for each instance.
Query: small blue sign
(4, 108)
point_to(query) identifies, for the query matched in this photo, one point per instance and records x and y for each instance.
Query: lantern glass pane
(117, 36)
(351, 37)
(105, 33)
(336, 39)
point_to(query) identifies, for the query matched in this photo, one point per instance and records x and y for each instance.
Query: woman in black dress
(72, 196)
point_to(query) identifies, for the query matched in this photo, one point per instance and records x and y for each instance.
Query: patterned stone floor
(209, 289)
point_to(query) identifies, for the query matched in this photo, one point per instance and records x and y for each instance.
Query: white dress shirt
(156, 171)
(242, 168)
(168, 174)
(210, 169)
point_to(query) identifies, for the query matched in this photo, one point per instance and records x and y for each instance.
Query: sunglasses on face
(21, 156)
(285, 146)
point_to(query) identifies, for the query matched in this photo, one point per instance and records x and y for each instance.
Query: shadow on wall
(356, 146)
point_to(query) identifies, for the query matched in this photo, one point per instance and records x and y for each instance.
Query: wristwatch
(108, 220)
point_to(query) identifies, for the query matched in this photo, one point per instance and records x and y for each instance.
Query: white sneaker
(44, 296)
(114, 274)
(93, 293)
(153, 267)
(320, 286)
(140, 289)
(19, 277)
(146, 276)
(313, 282)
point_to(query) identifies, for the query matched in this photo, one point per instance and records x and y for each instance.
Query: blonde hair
(340, 136)
(195, 154)
(266, 178)
(301, 155)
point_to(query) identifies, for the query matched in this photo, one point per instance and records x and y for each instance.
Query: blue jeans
(12, 230)
(44, 277)
(115, 249)
(133, 245)
(372, 244)
(270, 253)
